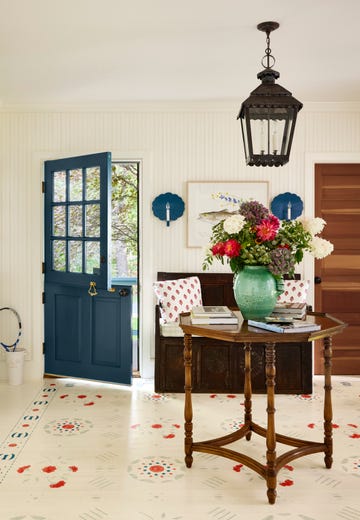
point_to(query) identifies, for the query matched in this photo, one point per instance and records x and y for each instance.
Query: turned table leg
(247, 388)
(327, 403)
(188, 413)
(270, 433)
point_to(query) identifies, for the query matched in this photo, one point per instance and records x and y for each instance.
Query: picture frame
(209, 200)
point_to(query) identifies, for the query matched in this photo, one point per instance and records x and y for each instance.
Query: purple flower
(281, 261)
(253, 211)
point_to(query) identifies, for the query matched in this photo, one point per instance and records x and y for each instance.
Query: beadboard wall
(176, 144)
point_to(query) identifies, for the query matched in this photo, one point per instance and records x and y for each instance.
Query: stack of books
(304, 325)
(213, 315)
(296, 311)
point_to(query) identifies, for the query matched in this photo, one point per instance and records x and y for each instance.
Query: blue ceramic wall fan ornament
(168, 206)
(287, 206)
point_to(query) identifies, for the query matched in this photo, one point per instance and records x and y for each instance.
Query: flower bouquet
(254, 236)
(260, 249)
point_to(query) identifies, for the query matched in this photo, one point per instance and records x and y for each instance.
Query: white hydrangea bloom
(321, 247)
(313, 225)
(234, 224)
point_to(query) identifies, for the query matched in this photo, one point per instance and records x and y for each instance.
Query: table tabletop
(244, 333)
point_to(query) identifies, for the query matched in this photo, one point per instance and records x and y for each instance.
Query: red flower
(23, 468)
(232, 248)
(274, 221)
(49, 469)
(287, 482)
(267, 229)
(218, 249)
(59, 484)
(68, 426)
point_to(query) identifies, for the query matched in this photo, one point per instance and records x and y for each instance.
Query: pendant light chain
(268, 54)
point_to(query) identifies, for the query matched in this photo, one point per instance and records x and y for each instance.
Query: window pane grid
(76, 215)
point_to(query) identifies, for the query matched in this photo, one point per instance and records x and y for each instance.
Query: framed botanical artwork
(209, 202)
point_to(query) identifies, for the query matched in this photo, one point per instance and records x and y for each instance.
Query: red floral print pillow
(295, 291)
(176, 296)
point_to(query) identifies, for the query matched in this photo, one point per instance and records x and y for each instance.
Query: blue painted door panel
(88, 337)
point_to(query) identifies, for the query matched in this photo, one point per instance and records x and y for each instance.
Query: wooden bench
(218, 367)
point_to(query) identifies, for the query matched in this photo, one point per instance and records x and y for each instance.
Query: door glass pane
(92, 257)
(93, 183)
(59, 194)
(75, 256)
(59, 225)
(59, 255)
(124, 216)
(75, 221)
(75, 185)
(92, 220)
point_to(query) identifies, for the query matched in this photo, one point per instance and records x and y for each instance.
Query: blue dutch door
(87, 321)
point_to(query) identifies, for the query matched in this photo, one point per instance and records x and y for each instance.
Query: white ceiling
(114, 51)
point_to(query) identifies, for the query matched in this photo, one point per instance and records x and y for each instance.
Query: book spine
(230, 321)
(310, 328)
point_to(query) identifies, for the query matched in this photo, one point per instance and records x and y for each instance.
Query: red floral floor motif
(68, 426)
(151, 469)
(106, 452)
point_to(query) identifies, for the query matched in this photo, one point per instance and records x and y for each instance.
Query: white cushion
(171, 330)
(295, 291)
(176, 296)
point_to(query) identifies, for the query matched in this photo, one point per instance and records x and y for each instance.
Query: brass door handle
(92, 289)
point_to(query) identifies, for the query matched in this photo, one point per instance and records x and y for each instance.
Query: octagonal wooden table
(247, 335)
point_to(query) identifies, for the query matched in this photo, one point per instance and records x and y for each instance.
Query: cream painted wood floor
(72, 449)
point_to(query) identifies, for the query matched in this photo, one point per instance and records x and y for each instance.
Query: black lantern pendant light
(268, 116)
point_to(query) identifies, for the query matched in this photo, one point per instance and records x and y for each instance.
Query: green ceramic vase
(256, 291)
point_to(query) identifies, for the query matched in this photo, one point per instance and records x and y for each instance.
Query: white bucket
(15, 366)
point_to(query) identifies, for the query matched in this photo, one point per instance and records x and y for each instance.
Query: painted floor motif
(79, 450)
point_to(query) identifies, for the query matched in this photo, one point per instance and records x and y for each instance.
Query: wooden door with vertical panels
(337, 277)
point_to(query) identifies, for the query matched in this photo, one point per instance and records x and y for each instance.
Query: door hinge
(43, 297)
(42, 267)
(43, 187)
(43, 348)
